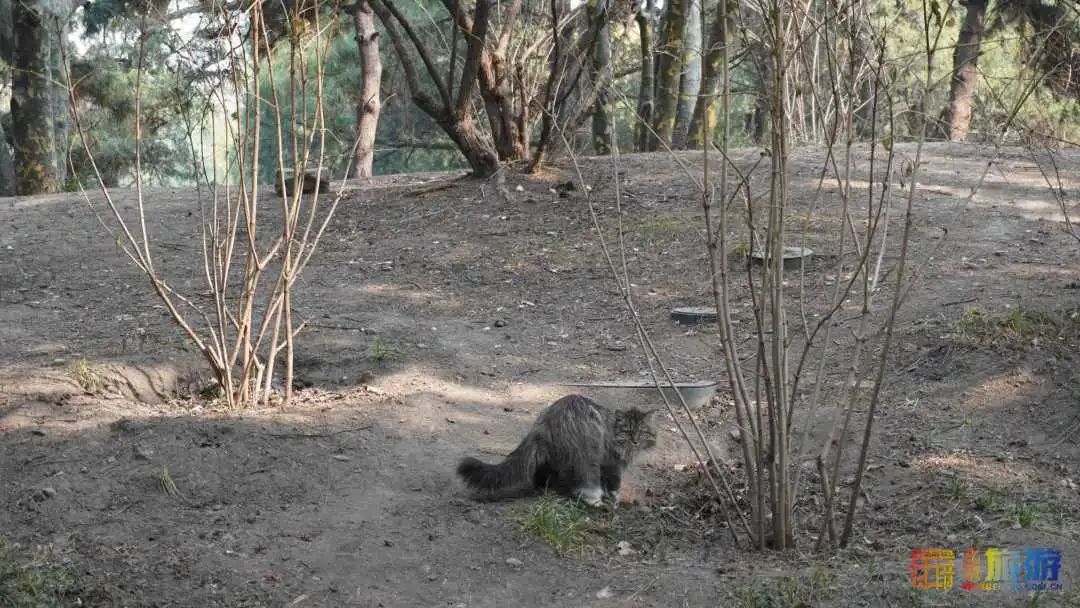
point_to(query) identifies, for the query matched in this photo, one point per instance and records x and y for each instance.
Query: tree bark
(690, 81)
(58, 102)
(956, 118)
(862, 49)
(7, 167)
(369, 103)
(648, 71)
(668, 73)
(464, 133)
(708, 103)
(601, 118)
(551, 88)
(761, 114)
(31, 112)
(7, 37)
(509, 123)
(507, 117)
(7, 46)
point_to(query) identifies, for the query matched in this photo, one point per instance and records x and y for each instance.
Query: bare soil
(444, 313)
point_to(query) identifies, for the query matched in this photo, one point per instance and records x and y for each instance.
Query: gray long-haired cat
(577, 447)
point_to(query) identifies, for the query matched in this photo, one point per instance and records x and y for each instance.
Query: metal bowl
(793, 256)
(692, 315)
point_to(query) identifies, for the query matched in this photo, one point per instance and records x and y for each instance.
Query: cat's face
(643, 435)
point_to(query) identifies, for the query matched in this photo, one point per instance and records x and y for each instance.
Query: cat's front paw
(611, 500)
(591, 496)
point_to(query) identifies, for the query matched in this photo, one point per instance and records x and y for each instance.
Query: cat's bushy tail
(516, 470)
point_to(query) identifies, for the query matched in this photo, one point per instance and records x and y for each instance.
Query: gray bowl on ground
(793, 256)
(692, 315)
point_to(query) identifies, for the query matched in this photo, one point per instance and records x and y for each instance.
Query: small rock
(499, 323)
(341, 457)
(514, 562)
(625, 548)
(127, 425)
(604, 594)
(519, 188)
(388, 543)
(143, 453)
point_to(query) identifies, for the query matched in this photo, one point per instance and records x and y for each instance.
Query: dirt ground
(444, 314)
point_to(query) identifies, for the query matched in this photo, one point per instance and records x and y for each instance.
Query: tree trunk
(668, 72)
(368, 104)
(569, 91)
(862, 47)
(601, 119)
(31, 113)
(956, 119)
(7, 167)
(690, 82)
(708, 103)
(7, 46)
(479, 155)
(506, 117)
(760, 115)
(7, 40)
(556, 63)
(58, 102)
(648, 71)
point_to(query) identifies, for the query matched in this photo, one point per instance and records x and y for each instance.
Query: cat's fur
(576, 447)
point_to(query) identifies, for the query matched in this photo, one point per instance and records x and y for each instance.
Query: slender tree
(7, 44)
(956, 119)
(601, 118)
(7, 167)
(368, 103)
(58, 97)
(669, 66)
(646, 96)
(690, 78)
(708, 102)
